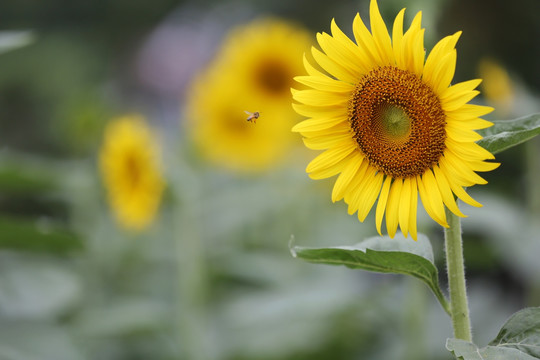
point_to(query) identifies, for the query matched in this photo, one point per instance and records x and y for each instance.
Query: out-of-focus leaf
(21, 174)
(16, 180)
(521, 332)
(33, 288)
(10, 40)
(381, 254)
(469, 351)
(36, 235)
(122, 317)
(505, 134)
(36, 341)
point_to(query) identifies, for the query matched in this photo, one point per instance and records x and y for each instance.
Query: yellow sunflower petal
(319, 112)
(333, 68)
(468, 150)
(311, 70)
(329, 158)
(331, 131)
(444, 72)
(365, 41)
(318, 98)
(397, 36)
(460, 133)
(458, 190)
(318, 124)
(381, 204)
(405, 206)
(338, 52)
(459, 101)
(452, 175)
(446, 191)
(471, 124)
(413, 47)
(352, 196)
(380, 34)
(456, 91)
(346, 176)
(460, 169)
(469, 111)
(325, 84)
(392, 207)
(370, 191)
(483, 166)
(326, 142)
(431, 197)
(332, 170)
(463, 196)
(436, 56)
(355, 53)
(413, 207)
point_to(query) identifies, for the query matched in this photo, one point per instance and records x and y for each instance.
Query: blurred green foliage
(213, 278)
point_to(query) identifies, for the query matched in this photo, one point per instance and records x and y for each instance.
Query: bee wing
(249, 113)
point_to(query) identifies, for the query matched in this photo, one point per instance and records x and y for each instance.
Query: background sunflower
(130, 166)
(252, 71)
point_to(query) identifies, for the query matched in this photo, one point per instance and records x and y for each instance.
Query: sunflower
(497, 87)
(252, 71)
(131, 173)
(391, 124)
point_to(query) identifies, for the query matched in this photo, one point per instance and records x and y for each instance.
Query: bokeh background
(212, 276)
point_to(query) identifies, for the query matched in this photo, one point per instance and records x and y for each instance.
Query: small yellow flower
(129, 164)
(391, 124)
(497, 85)
(253, 71)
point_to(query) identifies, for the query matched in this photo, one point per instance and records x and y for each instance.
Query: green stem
(191, 276)
(456, 279)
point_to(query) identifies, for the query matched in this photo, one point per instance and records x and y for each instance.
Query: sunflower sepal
(505, 134)
(382, 254)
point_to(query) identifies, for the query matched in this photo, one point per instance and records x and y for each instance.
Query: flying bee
(253, 116)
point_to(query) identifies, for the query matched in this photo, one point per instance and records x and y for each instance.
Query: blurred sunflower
(253, 71)
(392, 125)
(497, 85)
(129, 164)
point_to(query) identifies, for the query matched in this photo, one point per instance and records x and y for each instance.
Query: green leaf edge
(299, 251)
(515, 321)
(504, 351)
(495, 138)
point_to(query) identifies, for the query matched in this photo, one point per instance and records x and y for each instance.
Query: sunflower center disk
(398, 122)
(273, 77)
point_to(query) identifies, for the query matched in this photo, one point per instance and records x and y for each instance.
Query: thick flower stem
(459, 308)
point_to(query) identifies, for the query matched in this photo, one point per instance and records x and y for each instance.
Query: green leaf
(24, 175)
(519, 339)
(381, 254)
(521, 332)
(37, 236)
(505, 134)
(468, 351)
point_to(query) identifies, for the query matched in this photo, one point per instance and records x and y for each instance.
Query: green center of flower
(398, 122)
(393, 121)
